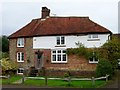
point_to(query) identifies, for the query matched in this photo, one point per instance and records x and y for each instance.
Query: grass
(61, 83)
(56, 83)
(11, 80)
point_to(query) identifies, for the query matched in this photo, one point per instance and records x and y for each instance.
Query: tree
(5, 44)
(111, 51)
(0, 44)
(104, 67)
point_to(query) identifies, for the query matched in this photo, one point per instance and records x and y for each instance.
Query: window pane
(59, 58)
(89, 36)
(96, 59)
(22, 41)
(62, 40)
(91, 59)
(18, 54)
(64, 51)
(18, 42)
(95, 36)
(20, 70)
(58, 40)
(53, 51)
(54, 57)
(59, 51)
(22, 56)
(64, 57)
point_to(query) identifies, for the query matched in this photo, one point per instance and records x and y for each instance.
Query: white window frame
(20, 42)
(93, 36)
(57, 56)
(93, 61)
(60, 37)
(20, 69)
(20, 53)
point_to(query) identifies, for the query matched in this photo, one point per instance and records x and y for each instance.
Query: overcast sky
(17, 13)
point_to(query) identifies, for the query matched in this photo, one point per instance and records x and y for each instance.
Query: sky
(18, 13)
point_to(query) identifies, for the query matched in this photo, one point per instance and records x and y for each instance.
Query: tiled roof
(59, 26)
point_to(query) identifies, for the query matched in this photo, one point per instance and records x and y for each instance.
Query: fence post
(23, 79)
(8, 79)
(93, 81)
(107, 78)
(45, 74)
(69, 80)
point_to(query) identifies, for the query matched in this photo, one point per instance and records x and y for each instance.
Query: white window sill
(58, 61)
(93, 39)
(20, 61)
(60, 46)
(93, 62)
(20, 46)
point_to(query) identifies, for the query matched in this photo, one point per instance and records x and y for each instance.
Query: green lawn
(56, 83)
(61, 83)
(11, 80)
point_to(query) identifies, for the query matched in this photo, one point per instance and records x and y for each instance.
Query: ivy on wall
(82, 51)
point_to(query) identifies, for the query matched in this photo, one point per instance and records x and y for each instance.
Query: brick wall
(75, 63)
(27, 49)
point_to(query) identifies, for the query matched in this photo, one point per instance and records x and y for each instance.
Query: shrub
(104, 67)
(8, 66)
(67, 74)
(80, 51)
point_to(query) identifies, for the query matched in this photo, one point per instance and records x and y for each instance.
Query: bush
(80, 51)
(8, 66)
(67, 74)
(104, 67)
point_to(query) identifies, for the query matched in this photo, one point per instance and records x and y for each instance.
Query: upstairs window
(60, 40)
(20, 57)
(94, 36)
(59, 56)
(20, 42)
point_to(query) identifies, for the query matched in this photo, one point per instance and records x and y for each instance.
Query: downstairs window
(58, 56)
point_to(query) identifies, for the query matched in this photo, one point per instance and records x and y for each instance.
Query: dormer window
(20, 42)
(60, 40)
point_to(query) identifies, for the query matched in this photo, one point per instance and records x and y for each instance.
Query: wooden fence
(6, 77)
(69, 79)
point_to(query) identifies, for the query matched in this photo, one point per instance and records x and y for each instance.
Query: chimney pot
(45, 12)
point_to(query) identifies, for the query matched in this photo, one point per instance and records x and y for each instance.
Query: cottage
(43, 42)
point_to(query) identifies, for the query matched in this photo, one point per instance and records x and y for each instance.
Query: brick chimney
(45, 12)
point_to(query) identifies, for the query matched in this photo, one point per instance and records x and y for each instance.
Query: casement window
(94, 36)
(20, 71)
(93, 59)
(60, 40)
(58, 56)
(20, 57)
(20, 42)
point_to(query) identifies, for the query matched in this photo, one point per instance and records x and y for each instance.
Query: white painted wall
(49, 42)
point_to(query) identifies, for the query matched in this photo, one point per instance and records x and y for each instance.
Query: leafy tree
(5, 44)
(111, 51)
(104, 67)
(1, 43)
